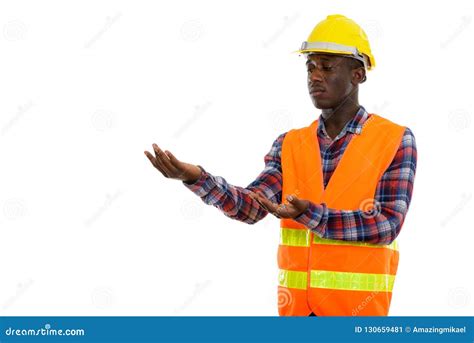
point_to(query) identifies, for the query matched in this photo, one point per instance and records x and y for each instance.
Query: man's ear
(359, 75)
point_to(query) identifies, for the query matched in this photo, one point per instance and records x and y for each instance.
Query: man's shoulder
(278, 142)
(388, 121)
(408, 137)
(301, 129)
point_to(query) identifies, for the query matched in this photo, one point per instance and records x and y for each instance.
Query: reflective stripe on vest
(295, 237)
(293, 279)
(337, 280)
(301, 237)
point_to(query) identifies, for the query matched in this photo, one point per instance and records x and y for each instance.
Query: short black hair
(353, 63)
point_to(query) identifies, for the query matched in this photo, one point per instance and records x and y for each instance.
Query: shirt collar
(354, 125)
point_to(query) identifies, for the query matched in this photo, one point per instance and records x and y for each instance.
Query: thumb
(172, 158)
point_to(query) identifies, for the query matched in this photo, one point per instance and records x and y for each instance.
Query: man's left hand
(291, 209)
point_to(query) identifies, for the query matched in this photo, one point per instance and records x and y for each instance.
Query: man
(340, 186)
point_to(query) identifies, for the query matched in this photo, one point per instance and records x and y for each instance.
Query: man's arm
(393, 193)
(234, 201)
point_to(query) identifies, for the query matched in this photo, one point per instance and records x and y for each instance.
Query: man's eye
(325, 68)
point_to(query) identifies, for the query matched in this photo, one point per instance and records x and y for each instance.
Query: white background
(88, 227)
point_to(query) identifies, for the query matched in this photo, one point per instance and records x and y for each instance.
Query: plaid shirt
(393, 192)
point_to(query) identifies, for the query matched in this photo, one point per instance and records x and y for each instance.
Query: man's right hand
(171, 167)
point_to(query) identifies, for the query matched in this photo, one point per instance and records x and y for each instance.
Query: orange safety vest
(336, 277)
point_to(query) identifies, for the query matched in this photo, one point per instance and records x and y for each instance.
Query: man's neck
(336, 119)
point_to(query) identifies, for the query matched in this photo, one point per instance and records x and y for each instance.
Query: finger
(154, 161)
(267, 203)
(262, 205)
(165, 160)
(161, 160)
(174, 161)
(296, 202)
(283, 211)
(276, 215)
(151, 158)
(254, 196)
(181, 169)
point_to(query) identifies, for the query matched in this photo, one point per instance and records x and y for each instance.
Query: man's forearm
(379, 227)
(232, 200)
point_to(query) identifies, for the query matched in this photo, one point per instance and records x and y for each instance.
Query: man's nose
(316, 75)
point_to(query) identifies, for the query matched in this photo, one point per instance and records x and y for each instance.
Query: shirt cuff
(311, 218)
(203, 185)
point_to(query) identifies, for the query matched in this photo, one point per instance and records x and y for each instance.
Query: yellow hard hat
(338, 34)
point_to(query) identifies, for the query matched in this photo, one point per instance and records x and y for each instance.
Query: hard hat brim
(332, 52)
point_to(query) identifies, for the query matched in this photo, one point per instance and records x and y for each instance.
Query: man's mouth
(317, 91)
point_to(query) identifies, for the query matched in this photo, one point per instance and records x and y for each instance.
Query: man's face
(329, 79)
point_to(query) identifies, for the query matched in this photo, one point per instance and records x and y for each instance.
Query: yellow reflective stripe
(293, 279)
(295, 237)
(301, 238)
(319, 240)
(352, 281)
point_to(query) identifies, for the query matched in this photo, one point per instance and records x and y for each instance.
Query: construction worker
(340, 186)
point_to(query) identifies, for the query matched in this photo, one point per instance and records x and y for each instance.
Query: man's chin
(321, 105)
